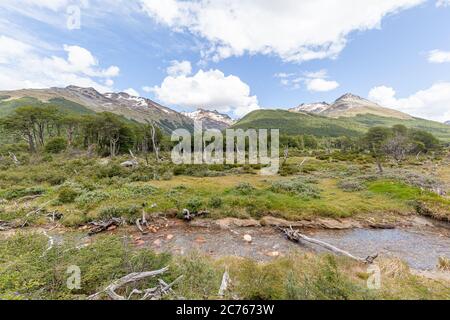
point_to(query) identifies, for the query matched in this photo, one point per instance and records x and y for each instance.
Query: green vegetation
(70, 173)
(291, 123)
(29, 271)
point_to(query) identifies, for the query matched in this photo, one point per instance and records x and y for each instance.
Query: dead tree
(101, 226)
(155, 293)
(295, 236)
(155, 145)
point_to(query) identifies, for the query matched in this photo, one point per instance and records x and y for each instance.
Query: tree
(21, 123)
(375, 139)
(71, 123)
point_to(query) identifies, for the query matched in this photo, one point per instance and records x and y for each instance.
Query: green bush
(129, 213)
(194, 205)
(91, 198)
(56, 145)
(215, 202)
(300, 187)
(17, 193)
(244, 188)
(67, 195)
(351, 185)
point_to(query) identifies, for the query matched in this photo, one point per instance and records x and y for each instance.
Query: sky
(234, 56)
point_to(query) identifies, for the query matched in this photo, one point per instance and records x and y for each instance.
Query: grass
(84, 190)
(25, 273)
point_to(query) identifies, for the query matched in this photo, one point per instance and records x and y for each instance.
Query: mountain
(211, 119)
(350, 105)
(295, 123)
(317, 107)
(85, 100)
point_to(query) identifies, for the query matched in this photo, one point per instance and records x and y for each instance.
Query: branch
(132, 278)
(296, 236)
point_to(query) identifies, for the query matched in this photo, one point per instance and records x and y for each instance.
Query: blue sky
(235, 56)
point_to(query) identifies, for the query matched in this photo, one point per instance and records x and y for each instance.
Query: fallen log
(42, 207)
(101, 226)
(148, 294)
(295, 236)
(188, 216)
(5, 226)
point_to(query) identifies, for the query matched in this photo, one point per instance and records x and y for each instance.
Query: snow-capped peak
(211, 119)
(311, 107)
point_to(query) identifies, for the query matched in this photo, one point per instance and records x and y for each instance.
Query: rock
(248, 238)
(157, 242)
(111, 228)
(276, 222)
(103, 162)
(200, 240)
(274, 254)
(140, 242)
(169, 237)
(338, 224)
(130, 164)
(240, 223)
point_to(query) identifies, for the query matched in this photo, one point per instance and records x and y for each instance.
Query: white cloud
(179, 68)
(207, 89)
(132, 92)
(438, 56)
(283, 75)
(11, 49)
(321, 85)
(443, 3)
(22, 66)
(432, 103)
(295, 30)
(314, 81)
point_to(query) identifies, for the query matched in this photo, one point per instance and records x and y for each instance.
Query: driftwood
(188, 216)
(14, 159)
(142, 222)
(100, 226)
(54, 216)
(36, 211)
(295, 236)
(5, 225)
(148, 294)
(224, 284)
(51, 243)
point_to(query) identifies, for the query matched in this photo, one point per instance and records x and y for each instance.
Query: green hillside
(292, 123)
(8, 106)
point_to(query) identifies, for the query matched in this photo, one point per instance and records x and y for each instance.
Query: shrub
(244, 188)
(110, 171)
(130, 212)
(215, 202)
(351, 185)
(260, 282)
(21, 192)
(135, 190)
(56, 145)
(194, 205)
(91, 198)
(300, 187)
(67, 195)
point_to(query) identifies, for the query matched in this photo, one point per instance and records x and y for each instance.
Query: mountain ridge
(211, 119)
(134, 108)
(350, 105)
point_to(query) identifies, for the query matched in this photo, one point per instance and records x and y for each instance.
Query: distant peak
(348, 96)
(81, 89)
